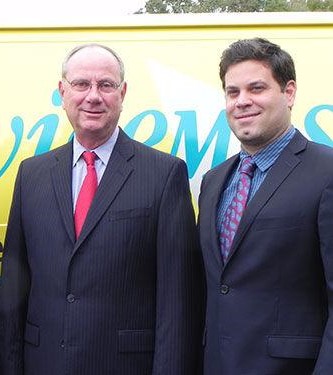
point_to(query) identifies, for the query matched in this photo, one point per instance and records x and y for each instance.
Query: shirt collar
(103, 151)
(267, 156)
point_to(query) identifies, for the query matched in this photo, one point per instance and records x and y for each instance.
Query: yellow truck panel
(174, 101)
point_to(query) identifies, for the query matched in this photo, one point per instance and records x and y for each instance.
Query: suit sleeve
(324, 362)
(180, 281)
(15, 283)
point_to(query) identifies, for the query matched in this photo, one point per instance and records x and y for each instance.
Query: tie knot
(89, 157)
(248, 166)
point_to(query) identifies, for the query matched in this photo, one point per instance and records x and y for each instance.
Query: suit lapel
(116, 173)
(281, 169)
(61, 174)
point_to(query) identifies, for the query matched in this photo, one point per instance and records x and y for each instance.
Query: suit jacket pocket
(31, 334)
(136, 340)
(128, 214)
(276, 223)
(294, 346)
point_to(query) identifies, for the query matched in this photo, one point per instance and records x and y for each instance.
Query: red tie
(87, 192)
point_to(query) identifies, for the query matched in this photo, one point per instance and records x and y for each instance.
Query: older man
(102, 274)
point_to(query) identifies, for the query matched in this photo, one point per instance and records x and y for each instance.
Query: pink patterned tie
(87, 192)
(236, 207)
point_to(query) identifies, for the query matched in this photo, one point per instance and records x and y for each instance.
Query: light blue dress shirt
(264, 160)
(79, 171)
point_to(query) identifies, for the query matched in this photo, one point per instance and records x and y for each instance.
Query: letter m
(189, 132)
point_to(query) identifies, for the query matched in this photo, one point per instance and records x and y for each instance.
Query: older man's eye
(106, 85)
(81, 85)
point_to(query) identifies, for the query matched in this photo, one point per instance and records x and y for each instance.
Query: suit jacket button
(70, 298)
(224, 289)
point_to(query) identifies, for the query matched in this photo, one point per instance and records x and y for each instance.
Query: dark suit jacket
(269, 307)
(126, 297)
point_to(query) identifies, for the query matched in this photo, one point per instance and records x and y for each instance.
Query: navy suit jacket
(269, 308)
(126, 298)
